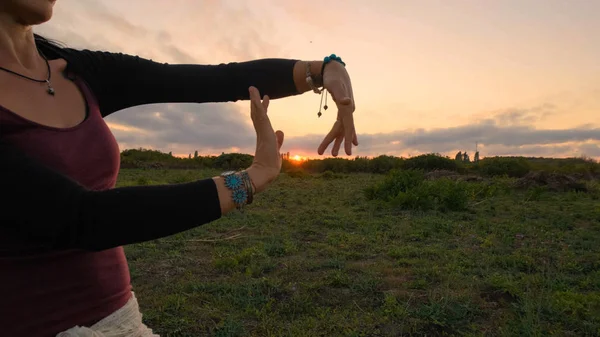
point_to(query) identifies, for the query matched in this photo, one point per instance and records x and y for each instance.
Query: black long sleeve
(62, 214)
(121, 81)
(67, 215)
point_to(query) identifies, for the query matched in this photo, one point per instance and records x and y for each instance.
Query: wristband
(310, 81)
(240, 185)
(330, 58)
(326, 60)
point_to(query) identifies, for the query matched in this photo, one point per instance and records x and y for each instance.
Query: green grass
(314, 257)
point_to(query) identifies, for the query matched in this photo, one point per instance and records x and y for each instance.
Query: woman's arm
(50, 208)
(120, 81)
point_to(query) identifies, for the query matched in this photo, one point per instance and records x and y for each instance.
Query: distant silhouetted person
(466, 157)
(458, 156)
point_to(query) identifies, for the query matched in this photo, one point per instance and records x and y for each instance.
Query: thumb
(279, 135)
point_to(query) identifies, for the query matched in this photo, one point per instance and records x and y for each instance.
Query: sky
(516, 77)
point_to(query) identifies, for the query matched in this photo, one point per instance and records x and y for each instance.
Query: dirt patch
(395, 283)
(558, 182)
(587, 176)
(440, 174)
(495, 298)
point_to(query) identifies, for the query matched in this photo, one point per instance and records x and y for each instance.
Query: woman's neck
(17, 46)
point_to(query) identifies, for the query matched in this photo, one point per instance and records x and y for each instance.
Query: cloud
(183, 128)
(590, 150)
(178, 55)
(494, 138)
(93, 25)
(240, 32)
(527, 116)
(221, 127)
(99, 12)
(329, 14)
(220, 31)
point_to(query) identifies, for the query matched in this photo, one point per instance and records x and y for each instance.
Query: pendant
(50, 90)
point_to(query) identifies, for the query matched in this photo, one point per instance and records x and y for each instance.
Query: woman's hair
(51, 42)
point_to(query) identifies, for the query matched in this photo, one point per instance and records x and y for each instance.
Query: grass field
(314, 257)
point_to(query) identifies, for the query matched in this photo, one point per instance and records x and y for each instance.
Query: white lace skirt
(125, 322)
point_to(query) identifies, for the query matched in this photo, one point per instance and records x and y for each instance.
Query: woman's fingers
(261, 121)
(330, 137)
(279, 136)
(254, 101)
(348, 122)
(335, 150)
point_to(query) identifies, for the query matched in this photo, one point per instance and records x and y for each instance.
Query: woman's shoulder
(54, 50)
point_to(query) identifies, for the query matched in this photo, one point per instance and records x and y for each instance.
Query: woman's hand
(267, 158)
(337, 81)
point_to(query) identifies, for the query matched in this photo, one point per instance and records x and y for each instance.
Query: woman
(62, 222)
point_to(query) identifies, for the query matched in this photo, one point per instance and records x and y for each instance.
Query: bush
(430, 162)
(328, 175)
(396, 181)
(499, 166)
(442, 194)
(297, 173)
(384, 164)
(582, 168)
(408, 189)
(233, 161)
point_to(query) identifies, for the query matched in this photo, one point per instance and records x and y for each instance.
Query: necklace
(50, 89)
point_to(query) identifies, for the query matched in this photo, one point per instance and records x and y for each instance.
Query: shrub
(408, 189)
(501, 166)
(430, 162)
(442, 194)
(395, 182)
(384, 164)
(297, 173)
(143, 181)
(328, 175)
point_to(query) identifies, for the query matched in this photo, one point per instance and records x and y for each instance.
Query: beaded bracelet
(240, 185)
(326, 60)
(310, 81)
(249, 186)
(330, 58)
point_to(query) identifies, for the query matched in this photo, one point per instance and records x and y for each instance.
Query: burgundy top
(52, 291)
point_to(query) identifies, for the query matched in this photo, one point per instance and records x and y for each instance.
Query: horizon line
(186, 156)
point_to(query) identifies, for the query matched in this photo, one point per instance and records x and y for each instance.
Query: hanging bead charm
(326, 61)
(50, 89)
(319, 114)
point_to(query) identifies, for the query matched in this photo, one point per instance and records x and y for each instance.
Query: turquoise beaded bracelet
(326, 60)
(330, 58)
